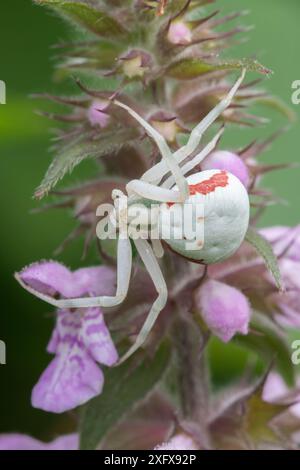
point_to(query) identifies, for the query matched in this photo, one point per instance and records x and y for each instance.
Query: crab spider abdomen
(222, 216)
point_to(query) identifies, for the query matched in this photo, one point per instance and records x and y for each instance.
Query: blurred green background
(26, 35)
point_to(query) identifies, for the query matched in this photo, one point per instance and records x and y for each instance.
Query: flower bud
(95, 116)
(167, 125)
(225, 309)
(179, 33)
(135, 63)
(224, 160)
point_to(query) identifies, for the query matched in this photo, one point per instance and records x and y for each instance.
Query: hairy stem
(192, 368)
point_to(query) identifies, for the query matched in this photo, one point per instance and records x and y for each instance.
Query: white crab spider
(226, 213)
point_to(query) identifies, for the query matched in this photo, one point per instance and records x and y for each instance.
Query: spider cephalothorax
(224, 217)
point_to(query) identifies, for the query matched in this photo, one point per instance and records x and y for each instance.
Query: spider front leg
(123, 279)
(211, 117)
(160, 170)
(164, 149)
(152, 192)
(154, 270)
(197, 159)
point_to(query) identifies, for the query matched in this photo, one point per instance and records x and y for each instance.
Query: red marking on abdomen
(219, 180)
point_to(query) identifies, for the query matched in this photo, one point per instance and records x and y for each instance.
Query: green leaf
(124, 388)
(65, 162)
(264, 248)
(95, 20)
(189, 68)
(269, 341)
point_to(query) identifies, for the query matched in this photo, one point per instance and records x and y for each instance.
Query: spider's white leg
(211, 117)
(157, 172)
(165, 151)
(154, 270)
(152, 192)
(157, 247)
(123, 279)
(196, 160)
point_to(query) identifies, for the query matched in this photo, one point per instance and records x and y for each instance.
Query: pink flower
(95, 116)
(276, 391)
(178, 442)
(285, 241)
(225, 309)
(223, 160)
(23, 442)
(286, 246)
(179, 33)
(80, 338)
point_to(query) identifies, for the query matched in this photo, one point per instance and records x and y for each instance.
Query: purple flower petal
(66, 331)
(276, 391)
(223, 160)
(87, 328)
(179, 33)
(295, 409)
(68, 442)
(20, 442)
(23, 442)
(95, 116)
(178, 442)
(288, 303)
(51, 278)
(225, 309)
(274, 234)
(285, 240)
(97, 339)
(54, 342)
(289, 270)
(79, 339)
(275, 388)
(70, 380)
(95, 281)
